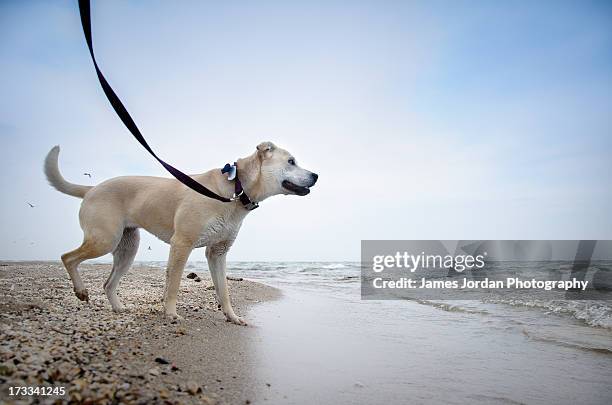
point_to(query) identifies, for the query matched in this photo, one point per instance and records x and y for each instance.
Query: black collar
(239, 193)
(242, 196)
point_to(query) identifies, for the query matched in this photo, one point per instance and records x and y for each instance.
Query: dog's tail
(55, 177)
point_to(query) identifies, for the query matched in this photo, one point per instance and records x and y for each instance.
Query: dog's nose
(314, 177)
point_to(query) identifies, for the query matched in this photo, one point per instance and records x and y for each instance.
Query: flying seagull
(31, 205)
(87, 174)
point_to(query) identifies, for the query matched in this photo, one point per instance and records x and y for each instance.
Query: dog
(112, 213)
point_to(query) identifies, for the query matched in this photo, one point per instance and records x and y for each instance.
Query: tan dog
(113, 211)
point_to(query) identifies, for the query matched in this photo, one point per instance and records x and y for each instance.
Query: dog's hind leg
(123, 257)
(90, 249)
(101, 235)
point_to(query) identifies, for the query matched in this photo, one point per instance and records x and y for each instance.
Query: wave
(592, 313)
(448, 307)
(347, 278)
(334, 266)
(565, 343)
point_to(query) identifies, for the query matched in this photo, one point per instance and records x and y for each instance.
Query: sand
(49, 337)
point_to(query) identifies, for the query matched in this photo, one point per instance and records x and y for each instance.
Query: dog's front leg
(179, 253)
(216, 256)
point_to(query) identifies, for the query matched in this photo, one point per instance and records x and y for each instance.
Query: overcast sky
(424, 120)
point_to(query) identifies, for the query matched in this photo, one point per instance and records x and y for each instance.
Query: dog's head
(277, 172)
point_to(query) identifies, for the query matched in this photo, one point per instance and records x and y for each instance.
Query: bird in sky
(149, 248)
(31, 205)
(87, 174)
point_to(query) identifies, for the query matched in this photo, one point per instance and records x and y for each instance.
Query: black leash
(127, 119)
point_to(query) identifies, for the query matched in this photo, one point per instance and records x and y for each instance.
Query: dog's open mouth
(299, 190)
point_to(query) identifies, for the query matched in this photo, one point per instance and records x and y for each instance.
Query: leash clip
(236, 197)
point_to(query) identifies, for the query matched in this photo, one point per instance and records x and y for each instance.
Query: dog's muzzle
(300, 190)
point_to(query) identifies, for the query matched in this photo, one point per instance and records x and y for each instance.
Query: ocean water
(585, 324)
(321, 343)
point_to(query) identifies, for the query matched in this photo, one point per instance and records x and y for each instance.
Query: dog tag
(230, 170)
(232, 173)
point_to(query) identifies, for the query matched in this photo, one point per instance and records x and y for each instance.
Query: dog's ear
(264, 149)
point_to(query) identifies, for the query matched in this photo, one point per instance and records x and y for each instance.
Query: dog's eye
(291, 161)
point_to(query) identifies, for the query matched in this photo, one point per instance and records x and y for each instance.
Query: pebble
(193, 387)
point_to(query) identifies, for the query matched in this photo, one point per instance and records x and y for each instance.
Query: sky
(424, 119)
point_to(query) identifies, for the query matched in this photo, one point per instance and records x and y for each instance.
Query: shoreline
(49, 337)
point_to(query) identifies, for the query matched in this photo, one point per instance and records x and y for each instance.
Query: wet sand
(48, 337)
(332, 348)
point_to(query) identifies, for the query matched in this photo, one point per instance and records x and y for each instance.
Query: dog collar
(239, 194)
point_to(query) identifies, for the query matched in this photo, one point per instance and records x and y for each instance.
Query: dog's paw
(119, 309)
(236, 320)
(83, 295)
(173, 316)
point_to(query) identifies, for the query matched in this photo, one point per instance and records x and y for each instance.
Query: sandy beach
(138, 356)
(318, 343)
